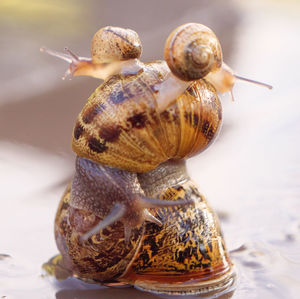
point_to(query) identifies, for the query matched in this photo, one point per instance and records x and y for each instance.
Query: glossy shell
(186, 253)
(111, 44)
(120, 125)
(192, 51)
(96, 259)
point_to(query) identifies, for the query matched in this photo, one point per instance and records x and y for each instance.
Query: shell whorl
(192, 51)
(111, 44)
(121, 127)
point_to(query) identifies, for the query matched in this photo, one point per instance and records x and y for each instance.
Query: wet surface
(250, 175)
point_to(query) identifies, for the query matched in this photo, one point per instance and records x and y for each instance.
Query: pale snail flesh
(132, 214)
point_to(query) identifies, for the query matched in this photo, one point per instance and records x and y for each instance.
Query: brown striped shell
(120, 125)
(192, 51)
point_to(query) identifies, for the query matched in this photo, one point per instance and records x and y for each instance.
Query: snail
(132, 215)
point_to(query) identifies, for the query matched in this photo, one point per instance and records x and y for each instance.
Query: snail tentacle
(78, 65)
(119, 211)
(83, 66)
(150, 218)
(147, 202)
(224, 78)
(116, 214)
(61, 55)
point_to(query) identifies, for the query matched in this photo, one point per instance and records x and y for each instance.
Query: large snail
(132, 214)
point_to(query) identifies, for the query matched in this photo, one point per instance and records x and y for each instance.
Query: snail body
(186, 254)
(132, 214)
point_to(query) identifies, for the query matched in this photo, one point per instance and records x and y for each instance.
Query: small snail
(132, 214)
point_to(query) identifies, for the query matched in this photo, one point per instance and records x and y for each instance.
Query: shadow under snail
(132, 215)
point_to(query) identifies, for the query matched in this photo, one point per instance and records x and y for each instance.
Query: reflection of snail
(132, 214)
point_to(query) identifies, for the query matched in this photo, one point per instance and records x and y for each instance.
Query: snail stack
(132, 215)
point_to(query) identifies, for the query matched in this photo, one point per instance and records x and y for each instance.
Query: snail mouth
(187, 285)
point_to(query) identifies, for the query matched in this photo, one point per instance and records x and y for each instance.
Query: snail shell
(120, 125)
(184, 255)
(111, 44)
(192, 51)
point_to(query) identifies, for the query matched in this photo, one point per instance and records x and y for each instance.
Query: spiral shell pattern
(192, 51)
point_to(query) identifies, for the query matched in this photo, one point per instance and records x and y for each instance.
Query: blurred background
(250, 175)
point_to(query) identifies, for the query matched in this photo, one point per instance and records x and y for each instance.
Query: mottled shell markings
(116, 128)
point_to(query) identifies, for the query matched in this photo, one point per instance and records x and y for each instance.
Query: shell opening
(212, 287)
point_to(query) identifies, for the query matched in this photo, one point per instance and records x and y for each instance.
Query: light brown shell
(111, 44)
(192, 51)
(120, 126)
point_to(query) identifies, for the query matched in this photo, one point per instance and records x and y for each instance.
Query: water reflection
(105, 293)
(111, 293)
(75, 290)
